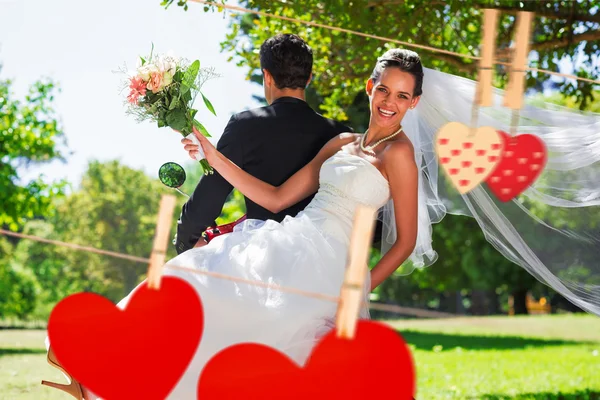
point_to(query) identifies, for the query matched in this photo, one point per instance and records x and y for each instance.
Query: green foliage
(344, 61)
(29, 134)
(114, 209)
(189, 77)
(19, 288)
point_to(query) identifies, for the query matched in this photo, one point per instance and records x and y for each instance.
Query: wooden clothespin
(513, 97)
(351, 295)
(161, 240)
(483, 96)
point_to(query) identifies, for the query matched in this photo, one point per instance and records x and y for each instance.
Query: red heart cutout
(375, 364)
(136, 353)
(523, 160)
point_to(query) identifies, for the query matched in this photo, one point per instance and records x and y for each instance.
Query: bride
(306, 252)
(549, 230)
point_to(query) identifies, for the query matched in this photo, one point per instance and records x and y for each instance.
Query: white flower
(146, 71)
(167, 63)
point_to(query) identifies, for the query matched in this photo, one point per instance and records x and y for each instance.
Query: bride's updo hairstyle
(405, 60)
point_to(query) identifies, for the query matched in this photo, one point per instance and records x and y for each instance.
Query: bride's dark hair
(405, 60)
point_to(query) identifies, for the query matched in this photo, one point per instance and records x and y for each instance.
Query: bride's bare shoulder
(398, 153)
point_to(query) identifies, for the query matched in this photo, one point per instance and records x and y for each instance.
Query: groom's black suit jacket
(270, 143)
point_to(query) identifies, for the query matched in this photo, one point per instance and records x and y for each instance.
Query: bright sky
(80, 44)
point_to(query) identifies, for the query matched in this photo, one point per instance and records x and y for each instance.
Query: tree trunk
(520, 301)
(493, 303)
(558, 302)
(445, 304)
(478, 306)
(460, 307)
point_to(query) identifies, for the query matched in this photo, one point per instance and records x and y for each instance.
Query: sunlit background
(504, 335)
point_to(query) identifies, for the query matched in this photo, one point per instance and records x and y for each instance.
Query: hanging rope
(374, 306)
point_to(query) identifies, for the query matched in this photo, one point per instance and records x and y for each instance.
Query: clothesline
(386, 39)
(374, 306)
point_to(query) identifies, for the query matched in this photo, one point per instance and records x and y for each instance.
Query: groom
(270, 143)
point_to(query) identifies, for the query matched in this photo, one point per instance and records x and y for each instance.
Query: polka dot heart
(522, 162)
(468, 157)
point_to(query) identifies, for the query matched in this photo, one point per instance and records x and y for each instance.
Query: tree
(114, 209)
(19, 289)
(29, 133)
(562, 30)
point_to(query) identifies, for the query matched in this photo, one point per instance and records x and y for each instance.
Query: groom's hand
(201, 243)
(190, 147)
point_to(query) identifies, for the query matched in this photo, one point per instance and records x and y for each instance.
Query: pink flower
(156, 80)
(133, 97)
(138, 88)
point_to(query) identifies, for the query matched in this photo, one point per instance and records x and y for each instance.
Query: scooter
(173, 175)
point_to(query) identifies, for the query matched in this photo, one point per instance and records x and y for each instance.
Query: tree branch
(376, 3)
(555, 43)
(549, 13)
(457, 62)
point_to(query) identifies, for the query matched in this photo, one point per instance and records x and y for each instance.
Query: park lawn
(524, 357)
(492, 358)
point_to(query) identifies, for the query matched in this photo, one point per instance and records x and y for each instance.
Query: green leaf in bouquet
(201, 128)
(186, 97)
(174, 103)
(153, 109)
(152, 98)
(208, 104)
(192, 113)
(162, 123)
(178, 77)
(173, 90)
(143, 60)
(176, 119)
(190, 77)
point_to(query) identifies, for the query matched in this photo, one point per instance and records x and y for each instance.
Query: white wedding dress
(307, 252)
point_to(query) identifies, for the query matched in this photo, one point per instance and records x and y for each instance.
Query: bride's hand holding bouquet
(201, 145)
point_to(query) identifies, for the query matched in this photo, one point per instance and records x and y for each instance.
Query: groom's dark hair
(289, 59)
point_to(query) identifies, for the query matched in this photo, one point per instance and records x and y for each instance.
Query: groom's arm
(206, 203)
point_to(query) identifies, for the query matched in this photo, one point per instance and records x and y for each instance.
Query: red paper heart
(136, 353)
(523, 160)
(376, 364)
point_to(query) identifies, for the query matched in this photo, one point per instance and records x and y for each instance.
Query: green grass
(491, 358)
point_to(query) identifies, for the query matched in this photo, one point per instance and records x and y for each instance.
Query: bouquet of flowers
(163, 89)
